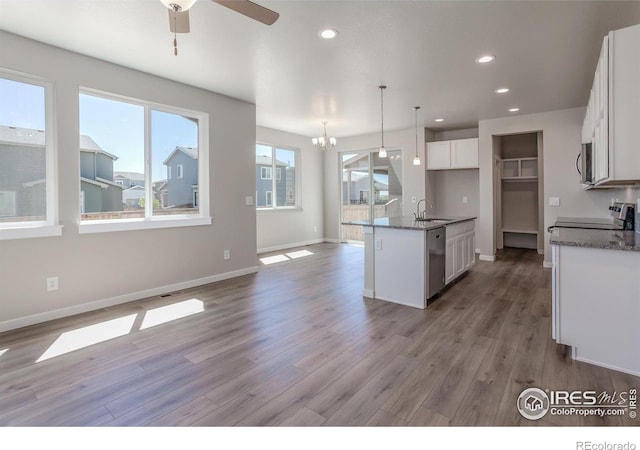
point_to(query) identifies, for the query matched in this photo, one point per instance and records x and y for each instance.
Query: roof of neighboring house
(189, 151)
(357, 176)
(267, 161)
(129, 175)
(134, 188)
(101, 182)
(36, 138)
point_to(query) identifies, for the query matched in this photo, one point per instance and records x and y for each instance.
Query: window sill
(29, 232)
(261, 211)
(107, 226)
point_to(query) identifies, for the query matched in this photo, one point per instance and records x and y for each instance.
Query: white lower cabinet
(596, 304)
(460, 249)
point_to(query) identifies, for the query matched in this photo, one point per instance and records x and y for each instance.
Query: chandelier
(324, 142)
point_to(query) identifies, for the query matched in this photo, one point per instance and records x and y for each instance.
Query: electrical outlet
(465, 199)
(315, 229)
(227, 254)
(248, 200)
(554, 201)
(52, 284)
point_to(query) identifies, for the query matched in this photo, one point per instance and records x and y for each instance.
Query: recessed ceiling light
(439, 120)
(514, 109)
(329, 33)
(502, 90)
(485, 59)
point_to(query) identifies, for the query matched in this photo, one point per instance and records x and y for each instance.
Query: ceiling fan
(179, 14)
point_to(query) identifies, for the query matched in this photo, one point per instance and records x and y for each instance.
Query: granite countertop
(409, 223)
(607, 239)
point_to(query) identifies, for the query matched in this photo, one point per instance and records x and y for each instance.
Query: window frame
(50, 226)
(297, 183)
(180, 171)
(149, 221)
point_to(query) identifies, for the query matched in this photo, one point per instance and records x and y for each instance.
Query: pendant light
(382, 153)
(416, 159)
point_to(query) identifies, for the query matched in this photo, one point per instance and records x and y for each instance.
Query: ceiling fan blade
(179, 21)
(250, 9)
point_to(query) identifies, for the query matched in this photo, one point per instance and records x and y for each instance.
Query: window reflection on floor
(110, 329)
(284, 257)
(90, 335)
(2, 352)
(168, 313)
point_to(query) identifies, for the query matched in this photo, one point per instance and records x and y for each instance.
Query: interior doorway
(371, 187)
(518, 191)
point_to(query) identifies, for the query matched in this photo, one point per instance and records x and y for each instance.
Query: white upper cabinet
(464, 153)
(439, 155)
(611, 121)
(456, 154)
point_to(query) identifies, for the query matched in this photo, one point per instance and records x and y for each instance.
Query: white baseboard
(547, 264)
(332, 241)
(290, 245)
(490, 258)
(117, 300)
(608, 366)
(368, 293)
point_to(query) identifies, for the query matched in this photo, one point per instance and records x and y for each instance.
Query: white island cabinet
(596, 296)
(400, 262)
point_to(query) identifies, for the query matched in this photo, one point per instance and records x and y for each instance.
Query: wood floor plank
(296, 344)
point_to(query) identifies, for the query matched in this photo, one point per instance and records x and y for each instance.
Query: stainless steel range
(622, 218)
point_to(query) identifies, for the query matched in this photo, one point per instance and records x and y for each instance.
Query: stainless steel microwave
(585, 168)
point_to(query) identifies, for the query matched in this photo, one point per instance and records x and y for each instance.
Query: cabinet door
(464, 153)
(439, 155)
(450, 273)
(459, 252)
(470, 250)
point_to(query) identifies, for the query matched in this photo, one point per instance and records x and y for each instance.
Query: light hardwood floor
(297, 345)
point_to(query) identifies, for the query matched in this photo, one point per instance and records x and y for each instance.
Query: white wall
(413, 176)
(561, 144)
(289, 228)
(100, 269)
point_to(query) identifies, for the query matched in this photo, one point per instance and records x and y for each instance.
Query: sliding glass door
(371, 188)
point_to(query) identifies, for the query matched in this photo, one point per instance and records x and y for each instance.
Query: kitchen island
(596, 296)
(399, 259)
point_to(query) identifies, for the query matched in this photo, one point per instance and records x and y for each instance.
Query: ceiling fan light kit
(179, 14)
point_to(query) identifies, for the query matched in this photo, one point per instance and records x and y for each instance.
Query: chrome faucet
(418, 214)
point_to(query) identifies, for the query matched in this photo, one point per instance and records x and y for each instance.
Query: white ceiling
(424, 51)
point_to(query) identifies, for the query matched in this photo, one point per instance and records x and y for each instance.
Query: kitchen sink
(433, 220)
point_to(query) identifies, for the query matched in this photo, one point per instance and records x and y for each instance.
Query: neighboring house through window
(28, 195)
(128, 146)
(277, 191)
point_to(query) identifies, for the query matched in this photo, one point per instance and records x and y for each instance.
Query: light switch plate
(554, 201)
(248, 200)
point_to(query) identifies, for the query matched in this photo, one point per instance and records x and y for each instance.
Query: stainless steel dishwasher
(436, 249)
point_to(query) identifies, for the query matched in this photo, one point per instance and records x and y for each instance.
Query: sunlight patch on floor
(168, 313)
(285, 257)
(299, 254)
(2, 352)
(90, 335)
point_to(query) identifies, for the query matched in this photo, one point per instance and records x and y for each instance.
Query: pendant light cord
(382, 88)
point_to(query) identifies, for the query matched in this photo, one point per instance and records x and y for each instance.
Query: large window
(27, 174)
(277, 191)
(140, 163)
